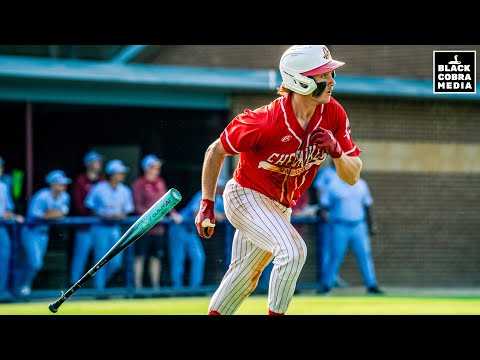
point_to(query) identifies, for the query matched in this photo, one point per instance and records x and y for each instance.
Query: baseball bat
(144, 223)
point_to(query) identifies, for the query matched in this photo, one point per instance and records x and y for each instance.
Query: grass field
(257, 305)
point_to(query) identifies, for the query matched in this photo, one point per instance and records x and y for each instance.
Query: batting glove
(205, 219)
(324, 139)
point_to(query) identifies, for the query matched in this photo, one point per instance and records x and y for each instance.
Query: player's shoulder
(335, 105)
(140, 180)
(42, 193)
(265, 113)
(99, 185)
(125, 187)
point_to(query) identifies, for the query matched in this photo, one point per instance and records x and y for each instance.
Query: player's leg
(177, 236)
(264, 229)
(35, 245)
(340, 235)
(100, 239)
(155, 264)
(115, 264)
(362, 251)
(324, 250)
(240, 280)
(5, 255)
(196, 255)
(81, 250)
(141, 249)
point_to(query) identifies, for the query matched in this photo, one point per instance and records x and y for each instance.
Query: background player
(281, 147)
(49, 203)
(351, 224)
(81, 186)
(147, 189)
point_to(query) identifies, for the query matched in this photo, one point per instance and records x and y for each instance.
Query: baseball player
(49, 203)
(6, 247)
(184, 243)
(81, 186)
(110, 199)
(351, 225)
(147, 189)
(281, 145)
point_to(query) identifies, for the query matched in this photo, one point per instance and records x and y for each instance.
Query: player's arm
(338, 143)
(348, 168)
(212, 164)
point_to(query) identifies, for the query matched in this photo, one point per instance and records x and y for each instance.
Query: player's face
(152, 171)
(58, 188)
(325, 96)
(95, 165)
(119, 177)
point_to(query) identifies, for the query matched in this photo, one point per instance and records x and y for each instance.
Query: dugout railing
(53, 277)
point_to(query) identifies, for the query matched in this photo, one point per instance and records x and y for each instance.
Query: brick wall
(409, 61)
(231, 56)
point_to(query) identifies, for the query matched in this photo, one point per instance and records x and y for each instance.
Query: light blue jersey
(346, 202)
(105, 200)
(42, 201)
(34, 238)
(6, 202)
(6, 205)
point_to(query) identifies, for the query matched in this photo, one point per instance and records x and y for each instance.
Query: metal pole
(29, 152)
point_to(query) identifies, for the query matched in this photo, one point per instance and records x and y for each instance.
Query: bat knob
(52, 308)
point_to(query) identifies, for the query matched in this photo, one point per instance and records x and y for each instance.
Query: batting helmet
(299, 62)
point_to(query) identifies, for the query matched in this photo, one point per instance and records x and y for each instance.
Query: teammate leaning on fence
(281, 145)
(49, 203)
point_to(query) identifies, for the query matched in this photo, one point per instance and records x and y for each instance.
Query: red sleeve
(79, 194)
(244, 131)
(343, 133)
(137, 192)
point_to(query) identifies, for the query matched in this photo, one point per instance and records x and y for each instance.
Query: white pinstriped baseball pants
(263, 232)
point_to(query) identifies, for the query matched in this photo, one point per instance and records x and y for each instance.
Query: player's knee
(294, 260)
(299, 256)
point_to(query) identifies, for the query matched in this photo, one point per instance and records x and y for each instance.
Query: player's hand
(324, 139)
(205, 219)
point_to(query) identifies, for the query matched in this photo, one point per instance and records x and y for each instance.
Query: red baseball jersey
(276, 157)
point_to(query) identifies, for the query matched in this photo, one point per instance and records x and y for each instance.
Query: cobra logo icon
(286, 138)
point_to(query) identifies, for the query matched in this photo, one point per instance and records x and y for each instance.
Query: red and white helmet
(300, 61)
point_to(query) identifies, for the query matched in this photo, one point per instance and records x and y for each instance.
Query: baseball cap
(115, 166)
(91, 156)
(325, 62)
(151, 160)
(57, 177)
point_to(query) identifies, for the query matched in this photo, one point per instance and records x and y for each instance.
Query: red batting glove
(324, 139)
(205, 219)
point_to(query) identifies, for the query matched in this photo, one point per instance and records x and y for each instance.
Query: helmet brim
(330, 66)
